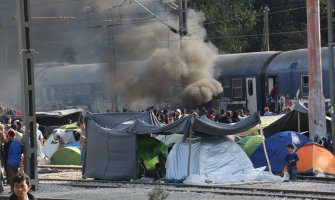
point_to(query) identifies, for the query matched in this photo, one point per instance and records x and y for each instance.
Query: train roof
(295, 59)
(243, 63)
(71, 74)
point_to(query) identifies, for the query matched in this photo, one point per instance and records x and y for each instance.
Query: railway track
(214, 189)
(317, 179)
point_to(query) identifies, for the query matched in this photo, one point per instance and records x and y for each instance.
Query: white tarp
(216, 160)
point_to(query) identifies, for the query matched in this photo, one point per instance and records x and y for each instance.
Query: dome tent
(148, 151)
(66, 156)
(276, 147)
(315, 159)
(213, 160)
(250, 143)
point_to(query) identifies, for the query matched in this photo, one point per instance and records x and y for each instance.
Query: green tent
(69, 127)
(149, 150)
(66, 156)
(250, 143)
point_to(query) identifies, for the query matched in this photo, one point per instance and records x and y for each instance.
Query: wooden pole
(299, 122)
(265, 151)
(190, 148)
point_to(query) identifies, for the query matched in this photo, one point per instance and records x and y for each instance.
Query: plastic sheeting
(216, 160)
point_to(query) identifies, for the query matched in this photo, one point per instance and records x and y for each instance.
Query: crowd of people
(222, 116)
(11, 149)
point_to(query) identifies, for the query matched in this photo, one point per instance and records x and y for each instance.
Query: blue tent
(276, 147)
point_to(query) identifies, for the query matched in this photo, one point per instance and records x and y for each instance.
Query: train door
(251, 94)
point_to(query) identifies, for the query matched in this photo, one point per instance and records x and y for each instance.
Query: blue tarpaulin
(276, 147)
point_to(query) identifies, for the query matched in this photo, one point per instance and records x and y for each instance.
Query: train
(275, 79)
(250, 81)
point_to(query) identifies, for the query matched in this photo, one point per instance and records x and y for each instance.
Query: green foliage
(227, 22)
(237, 26)
(157, 193)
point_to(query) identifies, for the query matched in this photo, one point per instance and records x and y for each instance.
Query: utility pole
(266, 35)
(27, 89)
(330, 9)
(112, 64)
(182, 8)
(316, 99)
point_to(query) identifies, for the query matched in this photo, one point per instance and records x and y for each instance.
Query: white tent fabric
(215, 160)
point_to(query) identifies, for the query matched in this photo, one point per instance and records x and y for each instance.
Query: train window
(304, 85)
(77, 89)
(87, 90)
(250, 88)
(236, 87)
(68, 94)
(225, 82)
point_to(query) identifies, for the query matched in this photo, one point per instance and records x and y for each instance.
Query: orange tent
(314, 158)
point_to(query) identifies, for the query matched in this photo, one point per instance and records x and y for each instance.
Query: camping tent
(315, 159)
(66, 156)
(250, 143)
(112, 139)
(213, 160)
(149, 151)
(276, 147)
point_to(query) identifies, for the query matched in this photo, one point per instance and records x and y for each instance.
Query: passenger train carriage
(254, 80)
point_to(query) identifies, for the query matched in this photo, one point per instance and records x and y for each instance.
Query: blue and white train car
(242, 78)
(255, 80)
(290, 71)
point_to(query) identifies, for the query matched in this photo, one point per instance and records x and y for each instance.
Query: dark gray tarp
(51, 118)
(58, 117)
(206, 128)
(111, 148)
(209, 127)
(110, 155)
(112, 139)
(290, 121)
(110, 120)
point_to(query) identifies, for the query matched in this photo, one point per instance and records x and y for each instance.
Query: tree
(288, 23)
(227, 22)
(237, 26)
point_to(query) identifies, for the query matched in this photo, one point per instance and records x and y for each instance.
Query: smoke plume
(171, 70)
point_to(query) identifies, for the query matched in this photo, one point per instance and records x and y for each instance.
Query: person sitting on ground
(267, 111)
(20, 186)
(291, 162)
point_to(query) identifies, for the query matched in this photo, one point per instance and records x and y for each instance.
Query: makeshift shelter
(112, 139)
(250, 143)
(296, 120)
(58, 117)
(65, 133)
(265, 122)
(66, 156)
(214, 160)
(276, 147)
(314, 159)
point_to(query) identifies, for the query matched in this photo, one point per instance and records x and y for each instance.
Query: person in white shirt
(39, 140)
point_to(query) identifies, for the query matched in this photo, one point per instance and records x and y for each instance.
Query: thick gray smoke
(149, 63)
(170, 70)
